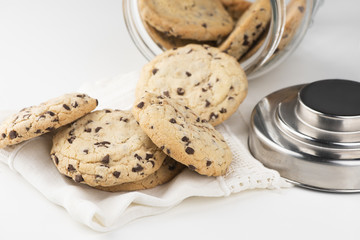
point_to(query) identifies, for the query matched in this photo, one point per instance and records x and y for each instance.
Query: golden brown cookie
(105, 148)
(200, 20)
(180, 133)
(36, 120)
(248, 28)
(295, 11)
(203, 78)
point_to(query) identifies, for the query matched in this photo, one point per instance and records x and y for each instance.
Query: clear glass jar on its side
(264, 59)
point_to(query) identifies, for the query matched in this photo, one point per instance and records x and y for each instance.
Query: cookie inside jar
(258, 33)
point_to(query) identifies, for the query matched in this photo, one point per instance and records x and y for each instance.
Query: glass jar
(264, 59)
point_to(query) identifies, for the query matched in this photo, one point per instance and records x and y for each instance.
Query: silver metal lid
(311, 134)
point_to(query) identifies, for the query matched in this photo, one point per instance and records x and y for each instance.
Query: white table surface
(48, 48)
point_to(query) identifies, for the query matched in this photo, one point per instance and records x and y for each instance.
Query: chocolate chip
(66, 107)
(71, 168)
(137, 156)
(172, 120)
(116, 174)
(152, 163)
(188, 74)
(138, 168)
(231, 87)
(198, 119)
(192, 167)
(258, 26)
(87, 130)
(203, 89)
(81, 95)
(49, 129)
(207, 103)
(167, 94)
(102, 144)
(140, 105)
(40, 117)
(148, 156)
(75, 105)
(125, 120)
(106, 159)
(26, 116)
(98, 129)
(223, 110)
(3, 135)
(246, 40)
(185, 139)
(168, 151)
(189, 150)
(72, 132)
(86, 151)
(203, 120)
(50, 113)
(208, 163)
(71, 140)
(230, 98)
(154, 71)
(162, 147)
(13, 134)
(55, 158)
(98, 176)
(213, 116)
(79, 178)
(186, 107)
(107, 111)
(180, 91)
(301, 8)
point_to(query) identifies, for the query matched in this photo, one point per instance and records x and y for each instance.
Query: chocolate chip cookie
(203, 78)
(105, 148)
(295, 11)
(200, 20)
(36, 120)
(248, 28)
(168, 170)
(181, 134)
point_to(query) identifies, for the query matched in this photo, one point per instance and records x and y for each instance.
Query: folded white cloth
(104, 211)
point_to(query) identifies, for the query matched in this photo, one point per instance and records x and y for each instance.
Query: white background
(48, 48)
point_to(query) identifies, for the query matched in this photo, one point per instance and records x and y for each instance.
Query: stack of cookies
(236, 27)
(180, 96)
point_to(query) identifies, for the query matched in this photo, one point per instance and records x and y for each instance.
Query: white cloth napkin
(104, 211)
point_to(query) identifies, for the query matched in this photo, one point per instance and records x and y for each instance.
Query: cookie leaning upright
(248, 28)
(36, 120)
(105, 148)
(201, 20)
(208, 81)
(180, 133)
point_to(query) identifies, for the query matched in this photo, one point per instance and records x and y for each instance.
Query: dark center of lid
(333, 97)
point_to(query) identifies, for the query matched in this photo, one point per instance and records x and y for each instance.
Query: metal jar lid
(311, 134)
